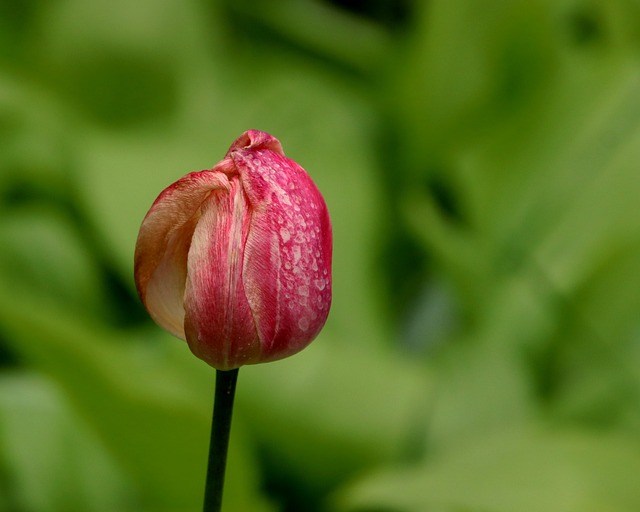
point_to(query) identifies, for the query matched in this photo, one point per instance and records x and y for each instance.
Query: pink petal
(255, 139)
(287, 261)
(219, 324)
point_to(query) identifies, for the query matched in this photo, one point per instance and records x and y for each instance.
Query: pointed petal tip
(256, 139)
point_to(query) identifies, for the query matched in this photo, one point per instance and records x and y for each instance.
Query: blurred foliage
(481, 162)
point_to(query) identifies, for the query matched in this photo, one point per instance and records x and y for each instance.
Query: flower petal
(219, 326)
(160, 263)
(254, 140)
(287, 261)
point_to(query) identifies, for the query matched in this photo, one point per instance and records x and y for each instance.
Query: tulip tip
(256, 139)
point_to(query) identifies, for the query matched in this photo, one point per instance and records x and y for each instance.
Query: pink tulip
(236, 260)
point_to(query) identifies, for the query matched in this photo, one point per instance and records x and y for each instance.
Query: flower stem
(220, 427)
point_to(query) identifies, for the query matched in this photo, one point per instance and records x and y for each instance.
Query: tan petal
(160, 264)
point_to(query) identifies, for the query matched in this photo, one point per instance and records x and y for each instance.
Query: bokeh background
(481, 162)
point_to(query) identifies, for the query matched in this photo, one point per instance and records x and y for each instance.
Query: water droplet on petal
(284, 233)
(296, 254)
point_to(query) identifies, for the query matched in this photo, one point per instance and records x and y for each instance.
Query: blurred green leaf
(54, 463)
(43, 254)
(316, 27)
(35, 157)
(321, 425)
(528, 470)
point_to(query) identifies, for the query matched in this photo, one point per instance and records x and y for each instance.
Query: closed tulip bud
(236, 260)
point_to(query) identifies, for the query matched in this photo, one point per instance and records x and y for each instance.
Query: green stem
(220, 427)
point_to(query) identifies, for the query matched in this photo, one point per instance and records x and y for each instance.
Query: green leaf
(526, 470)
(333, 410)
(52, 461)
(44, 255)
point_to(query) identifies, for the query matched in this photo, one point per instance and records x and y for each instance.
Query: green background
(481, 163)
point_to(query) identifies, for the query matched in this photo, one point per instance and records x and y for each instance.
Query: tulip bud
(236, 260)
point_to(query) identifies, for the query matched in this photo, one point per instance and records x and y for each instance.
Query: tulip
(236, 260)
